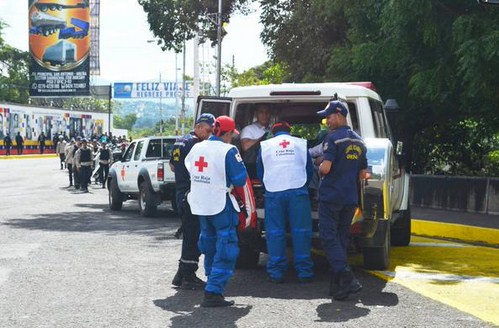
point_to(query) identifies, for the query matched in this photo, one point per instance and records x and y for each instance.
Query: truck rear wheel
(248, 257)
(401, 229)
(146, 203)
(378, 257)
(115, 196)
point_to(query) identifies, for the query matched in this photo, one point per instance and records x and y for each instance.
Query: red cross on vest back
(284, 144)
(201, 164)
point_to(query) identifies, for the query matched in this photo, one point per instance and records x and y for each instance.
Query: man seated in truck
(251, 136)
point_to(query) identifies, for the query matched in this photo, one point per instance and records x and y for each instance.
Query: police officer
(188, 264)
(84, 156)
(285, 167)
(215, 166)
(344, 164)
(105, 160)
(7, 141)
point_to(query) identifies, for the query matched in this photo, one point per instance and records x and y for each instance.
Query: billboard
(129, 90)
(59, 45)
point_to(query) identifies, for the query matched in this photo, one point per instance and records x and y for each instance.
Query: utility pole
(160, 106)
(219, 46)
(176, 94)
(183, 91)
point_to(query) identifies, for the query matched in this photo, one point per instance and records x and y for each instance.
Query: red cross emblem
(284, 144)
(122, 173)
(201, 164)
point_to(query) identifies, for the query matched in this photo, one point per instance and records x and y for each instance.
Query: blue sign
(132, 90)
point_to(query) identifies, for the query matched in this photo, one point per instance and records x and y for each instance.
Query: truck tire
(401, 229)
(115, 196)
(378, 258)
(248, 257)
(146, 202)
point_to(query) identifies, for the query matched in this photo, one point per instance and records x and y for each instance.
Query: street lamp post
(219, 46)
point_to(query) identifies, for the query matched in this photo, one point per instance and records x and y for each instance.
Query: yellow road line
(29, 156)
(466, 278)
(455, 231)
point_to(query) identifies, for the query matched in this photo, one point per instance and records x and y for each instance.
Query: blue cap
(333, 107)
(84, 140)
(206, 118)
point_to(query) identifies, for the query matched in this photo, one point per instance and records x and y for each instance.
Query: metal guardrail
(470, 194)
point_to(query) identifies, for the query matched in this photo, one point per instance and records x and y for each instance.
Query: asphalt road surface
(66, 260)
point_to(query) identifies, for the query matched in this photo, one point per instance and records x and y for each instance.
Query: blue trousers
(334, 224)
(291, 206)
(219, 244)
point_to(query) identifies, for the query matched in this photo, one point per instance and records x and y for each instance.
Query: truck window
(154, 148)
(378, 118)
(140, 145)
(354, 117)
(217, 108)
(128, 154)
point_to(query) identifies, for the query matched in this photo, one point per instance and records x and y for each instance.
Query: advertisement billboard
(133, 90)
(59, 45)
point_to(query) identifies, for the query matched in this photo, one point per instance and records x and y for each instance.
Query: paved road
(67, 261)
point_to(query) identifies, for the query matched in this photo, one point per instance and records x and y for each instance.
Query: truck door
(214, 105)
(124, 168)
(135, 163)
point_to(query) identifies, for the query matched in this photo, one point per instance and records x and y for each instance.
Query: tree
(175, 21)
(127, 122)
(14, 73)
(433, 56)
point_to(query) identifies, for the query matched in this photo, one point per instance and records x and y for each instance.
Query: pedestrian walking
(61, 150)
(41, 142)
(215, 167)
(19, 143)
(7, 141)
(84, 156)
(285, 167)
(188, 264)
(344, 164)
(105, 161)
(69, 157)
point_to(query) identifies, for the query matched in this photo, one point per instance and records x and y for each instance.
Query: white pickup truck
(143, 173)
(383, 217)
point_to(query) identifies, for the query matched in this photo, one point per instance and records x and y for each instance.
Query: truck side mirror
(400, 148)
(391, 105)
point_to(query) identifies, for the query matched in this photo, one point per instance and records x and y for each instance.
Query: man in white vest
(215, 166)
(285, 168)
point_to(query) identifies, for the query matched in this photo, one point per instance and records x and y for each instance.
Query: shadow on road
(160, 227)
(185, 304)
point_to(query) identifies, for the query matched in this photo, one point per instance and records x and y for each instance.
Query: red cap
(225, 124)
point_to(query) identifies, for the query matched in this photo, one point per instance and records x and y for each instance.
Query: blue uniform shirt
(182, 147)
(260, 169)
(347, 151)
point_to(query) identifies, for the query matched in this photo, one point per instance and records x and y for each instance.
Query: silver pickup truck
(383, 217)
(143, 173)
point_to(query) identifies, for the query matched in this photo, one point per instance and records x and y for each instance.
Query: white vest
(284, 161)
(206, 165)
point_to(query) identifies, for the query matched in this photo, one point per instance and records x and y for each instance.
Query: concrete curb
(28, 156)
(455, 231)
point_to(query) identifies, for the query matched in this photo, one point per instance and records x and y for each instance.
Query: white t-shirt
(254, 131)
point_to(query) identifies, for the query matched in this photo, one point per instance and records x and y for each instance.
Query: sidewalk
(469, 227)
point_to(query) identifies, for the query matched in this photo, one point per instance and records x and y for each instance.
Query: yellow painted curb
(28, 156)
(455, 231)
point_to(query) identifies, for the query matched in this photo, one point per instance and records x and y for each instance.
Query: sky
(125, 54)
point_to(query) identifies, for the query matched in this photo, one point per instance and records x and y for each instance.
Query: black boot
(334, 283)
(347, 284)
(178, 279)
(215, 300)
(192, 282)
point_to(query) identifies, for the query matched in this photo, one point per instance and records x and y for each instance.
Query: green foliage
(125, 122)
(267, 73)
(14, 71)
(175, 21)
(436, 57)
